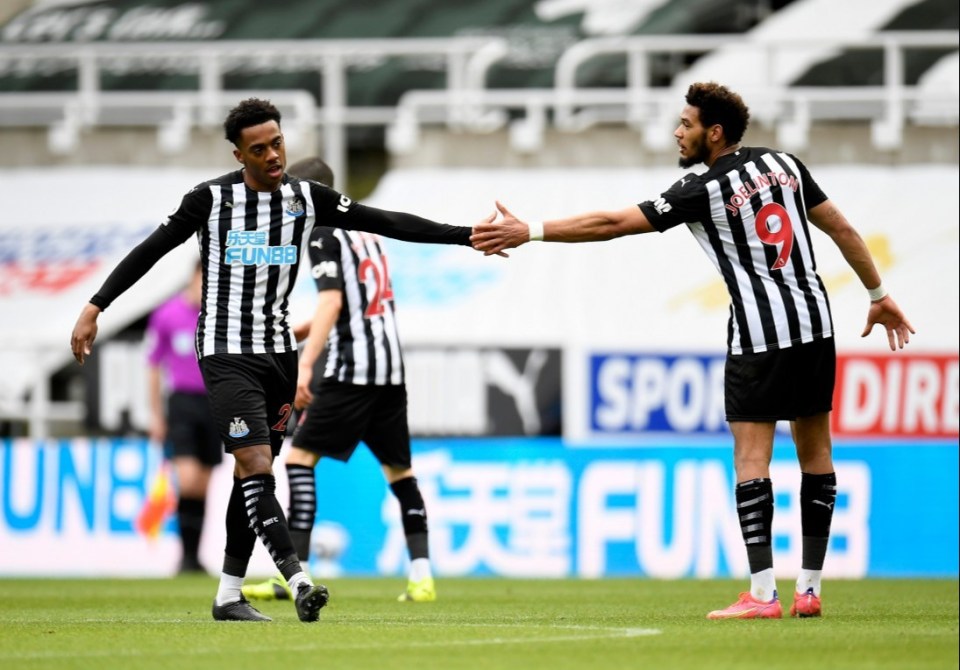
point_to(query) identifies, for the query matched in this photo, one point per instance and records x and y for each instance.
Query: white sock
(229, 589)
(763, 585)
(809, 579)
(420, 569)
(299, 578)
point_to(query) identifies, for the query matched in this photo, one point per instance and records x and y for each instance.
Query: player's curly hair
(719, 105)
(250, 112)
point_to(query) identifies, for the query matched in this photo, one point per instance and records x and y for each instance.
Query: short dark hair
(250, 112)
(719, 105)
(312, 168)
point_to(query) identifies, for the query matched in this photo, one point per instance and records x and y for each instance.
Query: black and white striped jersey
(363, 346)
(748, 212)
(251, 244)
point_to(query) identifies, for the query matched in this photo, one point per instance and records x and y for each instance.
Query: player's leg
(331, 426)
(229, 603)
(818, 494)
(753, 447)
(269, 523)
(818, 484)
(752, 396)
(258, 402)
(278, 377)
(388, 436)
(300, 466)
(302, 511)
(413, 516)
(223, 376)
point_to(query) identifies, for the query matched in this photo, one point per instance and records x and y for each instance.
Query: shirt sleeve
(326, 265)
(681, 203)
(194, 211)
(133, 266)
(337, 210)
(175, 231)
(813, 195)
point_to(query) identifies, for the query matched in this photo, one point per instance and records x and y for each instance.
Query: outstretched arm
(403, 226)
(130, 270)
(510, 232)
(883, 310)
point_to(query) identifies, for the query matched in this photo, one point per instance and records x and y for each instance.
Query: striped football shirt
(251, 243)
(748, 213)
(363, 346)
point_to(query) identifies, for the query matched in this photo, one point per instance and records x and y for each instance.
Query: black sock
(190, 514)
(413, 514)
(755, 510)
(240, 536)
(818, 496)
(266, 516)
(303, 508)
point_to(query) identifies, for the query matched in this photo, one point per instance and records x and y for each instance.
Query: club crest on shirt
(295, 207)
(238, 427)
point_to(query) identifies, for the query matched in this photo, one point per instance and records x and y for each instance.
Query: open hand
(492, 238)
(886, 313)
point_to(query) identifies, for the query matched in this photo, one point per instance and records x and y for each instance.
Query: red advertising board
(897, 395)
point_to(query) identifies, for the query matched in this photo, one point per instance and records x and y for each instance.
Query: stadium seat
(737, 63)
(864, 67)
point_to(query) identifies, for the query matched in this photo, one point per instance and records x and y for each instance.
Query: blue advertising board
(520, 507)
(533, 507)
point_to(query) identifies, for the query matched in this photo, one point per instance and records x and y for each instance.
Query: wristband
(877, 294)
(536, 231)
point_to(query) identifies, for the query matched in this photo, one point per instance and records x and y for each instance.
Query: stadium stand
(943, 76)
(864, 67)
(746, 64)
(679, 17)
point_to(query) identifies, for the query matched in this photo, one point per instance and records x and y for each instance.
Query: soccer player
(252, 226)
(750, 212)
(361, 394)
(187, 424)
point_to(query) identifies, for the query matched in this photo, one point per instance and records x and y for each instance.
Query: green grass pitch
(475, 624)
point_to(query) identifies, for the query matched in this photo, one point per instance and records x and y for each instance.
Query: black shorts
(341, 415)
(251, 396)
(191, 430)
(781, 385)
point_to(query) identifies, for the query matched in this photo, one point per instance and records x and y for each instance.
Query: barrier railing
(465, 103)
(654, 110)
(464, 60)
